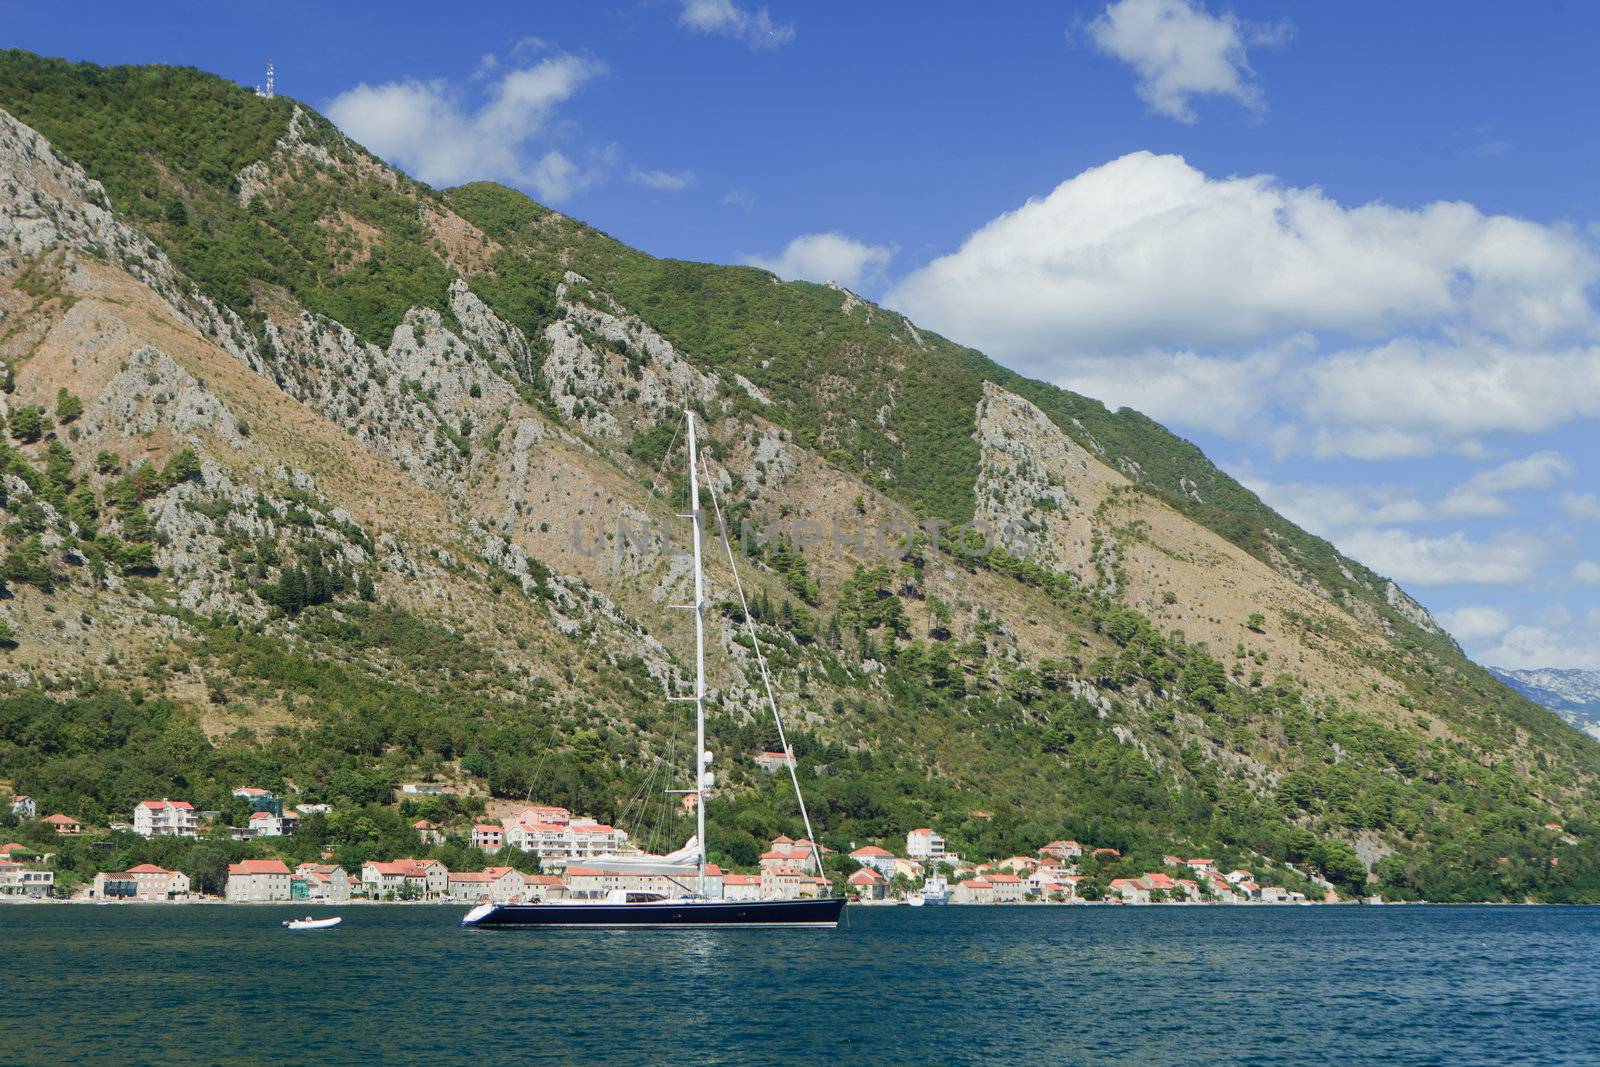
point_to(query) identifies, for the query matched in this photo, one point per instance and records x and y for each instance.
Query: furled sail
(685, 860)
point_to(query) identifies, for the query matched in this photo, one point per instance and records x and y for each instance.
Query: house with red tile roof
(1130, 890)
(781, 882)
(741, 887)
(772, 762)
(879, 859)
(23, 807)
(1105, 853)
(868, 884)
(427, 879)
(258, 880)
(1156, 880)
(1062, 850)
(321, 881)
(165, 818)
(427, 832)
(489, 836)
(973, 891)
(144, 882)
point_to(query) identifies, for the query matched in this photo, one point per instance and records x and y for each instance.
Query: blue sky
(1351, 250)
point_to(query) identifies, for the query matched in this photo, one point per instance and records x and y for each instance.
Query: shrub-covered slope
(315, 475)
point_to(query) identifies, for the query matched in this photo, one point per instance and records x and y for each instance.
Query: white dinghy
(308, 923)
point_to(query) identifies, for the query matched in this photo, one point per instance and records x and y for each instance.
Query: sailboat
(686, 867)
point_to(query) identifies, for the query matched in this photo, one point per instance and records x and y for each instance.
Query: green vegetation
(909, 708)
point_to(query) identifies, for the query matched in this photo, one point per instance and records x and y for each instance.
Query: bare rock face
(47, 202)
(609, 372)
(1412, 611)
(1037, 488)
(256, 178)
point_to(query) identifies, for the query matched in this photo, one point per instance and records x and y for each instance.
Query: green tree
(29, 422)
(68, 406)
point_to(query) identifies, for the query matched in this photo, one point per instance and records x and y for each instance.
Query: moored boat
(308, 923)
(685, 868)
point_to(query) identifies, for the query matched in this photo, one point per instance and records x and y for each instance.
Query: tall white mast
(700, 754)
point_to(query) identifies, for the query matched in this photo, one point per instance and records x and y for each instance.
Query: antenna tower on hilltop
(268, 92)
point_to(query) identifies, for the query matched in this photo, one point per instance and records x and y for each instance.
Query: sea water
(133, 984)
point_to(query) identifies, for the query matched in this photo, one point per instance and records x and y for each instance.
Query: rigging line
(766, 680)
(667, 454)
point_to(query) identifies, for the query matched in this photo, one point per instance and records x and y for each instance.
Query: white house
(23, 807)
(879, 859)
(265, 824)
(925, 844)
(258, 880)
(164, 818)
(17, 880)
(489, 836)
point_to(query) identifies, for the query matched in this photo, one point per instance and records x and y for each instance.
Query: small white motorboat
(308, 923)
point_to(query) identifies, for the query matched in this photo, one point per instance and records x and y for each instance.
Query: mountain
(1572, 694)
(323, 480)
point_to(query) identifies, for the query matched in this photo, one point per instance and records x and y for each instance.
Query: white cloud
(755, 29)
(1330, 511)
(1480, 494)
(827, 257)
(1473, 624)
(1164, 385)
(429, 130)
(662, 179)
(1541, 646)
(1146, 251)
(1583, 506)
(1179, 51)
(740, 198)
(1445, 394)
(1453, 558)
(1587, 572)
(1464, 324)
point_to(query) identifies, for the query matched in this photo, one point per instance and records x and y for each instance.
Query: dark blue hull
(802, 913)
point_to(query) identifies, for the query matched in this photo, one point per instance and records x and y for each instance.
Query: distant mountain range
(1572, 694)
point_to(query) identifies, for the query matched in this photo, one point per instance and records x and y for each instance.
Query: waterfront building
(258, 880)
(65, 825)
(1130, 890)
(741, 887)
(540, 887)
(425, 879)
(164, 818)
(868, 884)
(17, 880)
(322, 881)
(469, 885)
(144, 882)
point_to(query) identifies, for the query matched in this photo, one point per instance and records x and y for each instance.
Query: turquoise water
(226, 985)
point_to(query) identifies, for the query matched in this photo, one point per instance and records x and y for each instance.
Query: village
(554, 850)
